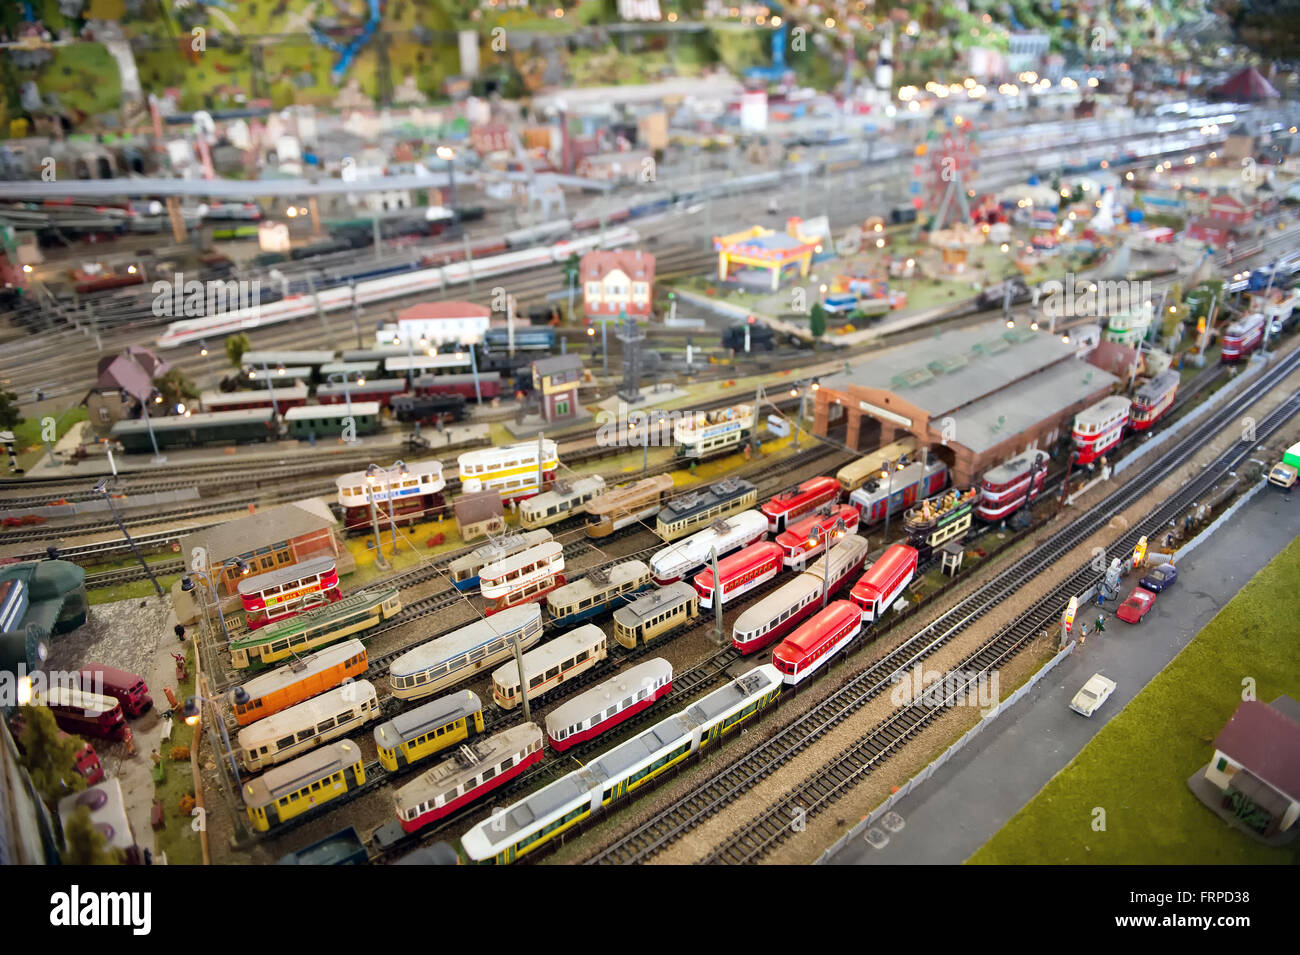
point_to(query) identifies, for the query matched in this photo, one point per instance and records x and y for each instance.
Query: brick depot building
(976, 396)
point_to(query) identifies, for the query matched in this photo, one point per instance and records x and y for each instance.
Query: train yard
(504, 503)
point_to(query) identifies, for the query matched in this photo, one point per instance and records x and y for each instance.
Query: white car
(1094, 693)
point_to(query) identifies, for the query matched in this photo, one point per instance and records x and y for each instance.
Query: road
(971, 797)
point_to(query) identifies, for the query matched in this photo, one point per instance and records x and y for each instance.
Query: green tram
(314, 628)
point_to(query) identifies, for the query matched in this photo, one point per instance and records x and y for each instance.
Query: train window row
(735, 718)
(303, 793)
(658, 764)
(546, 830)
(440, 731)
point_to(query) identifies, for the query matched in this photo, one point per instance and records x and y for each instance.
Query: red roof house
(1257, 765)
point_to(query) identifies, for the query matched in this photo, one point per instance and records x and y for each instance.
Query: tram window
(283, 743)
(305, 735)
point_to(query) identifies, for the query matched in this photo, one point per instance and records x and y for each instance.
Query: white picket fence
(894, 798)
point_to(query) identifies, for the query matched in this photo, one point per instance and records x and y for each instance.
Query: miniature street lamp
(402, 471)
(815, 538)
(380, 561)
(101, 488)
(188, 586)
(203, 353)
(270, 387)
(347, 390)
(193, 710)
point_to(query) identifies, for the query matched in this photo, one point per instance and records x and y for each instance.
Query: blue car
(1160, 578)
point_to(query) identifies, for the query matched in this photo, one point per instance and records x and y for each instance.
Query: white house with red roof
(616, 281)
(1256, 765)
(438, 323)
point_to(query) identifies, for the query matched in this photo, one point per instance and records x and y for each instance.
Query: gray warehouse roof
(957, 368)
(1017, 408)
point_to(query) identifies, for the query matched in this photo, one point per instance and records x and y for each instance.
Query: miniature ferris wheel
(942, 171)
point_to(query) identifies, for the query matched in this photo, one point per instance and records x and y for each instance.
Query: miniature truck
(1283, 474)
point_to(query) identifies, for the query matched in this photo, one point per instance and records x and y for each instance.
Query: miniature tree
(175, 388)
(817, 320)
(84, 844)
(9, 416)
(49, 756)
(236, 345)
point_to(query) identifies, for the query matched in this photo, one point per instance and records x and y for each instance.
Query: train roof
(789, 594)
(1158, 386)
(277, 629)
(599, 697)
(550, 654)
(505, 624)
(346, 367)
(692, 502)
(433, 381)
(355, 478)
(295, 392)
(300, 772)
(528, 448)
(420, 362)
(415, 722)
(312, 412)
(618, 496)
(575, 487)
(811, 633)
(495, 550)
(624, 572)
(282, 373)
(202, 419)
(804, 525)
(452, 772)
(1104, 409)
(697, 548)
(58, 694)
(811, 487)
(308, 713)
(273, 578)
(867, 494)
(888, 563)
(842, 554)
(308, 666)
(1020, 464)
(757, 552)
(273, 358)
(657, 601)
(551, 550)
(370, 386)
(855, 472)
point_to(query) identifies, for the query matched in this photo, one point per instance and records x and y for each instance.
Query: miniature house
(479, 514)
(556, 381)
(124, 384)
(1256, 765)
(617, 281)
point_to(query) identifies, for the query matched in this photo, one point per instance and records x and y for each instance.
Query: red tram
(884, 581)
(798, 542)
(1242, 337)
(1005, 488)
(1099, 428)
(289, 591)
(810, 647)
(791, 505)
(741, 572)
(1153, 399)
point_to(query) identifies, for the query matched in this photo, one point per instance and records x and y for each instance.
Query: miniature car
(1094, 693)
(1158, 580)
(1137, 605)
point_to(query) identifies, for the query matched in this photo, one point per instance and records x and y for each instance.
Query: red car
(1137, 605)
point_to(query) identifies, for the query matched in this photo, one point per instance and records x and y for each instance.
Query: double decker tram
(287, 591)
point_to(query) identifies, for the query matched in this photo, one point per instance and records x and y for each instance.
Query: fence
(875, 814)
(99, 505)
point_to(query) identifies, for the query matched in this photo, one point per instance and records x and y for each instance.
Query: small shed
(1256, 765)
(479, 514)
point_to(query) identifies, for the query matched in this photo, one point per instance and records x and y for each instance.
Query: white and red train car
(525, 577)
(812, 646)
(741, 572)
(1005, 488)
(288, 591)
(791, 505)
(1154, 399)
(473, 771)
(913, 482)
(1242, 337)
(415, 493)
(806, 538)
(790, 604)
(1099, 428)
(603, 707)
(884, 581)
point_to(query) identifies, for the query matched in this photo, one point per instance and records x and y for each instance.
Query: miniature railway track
(691, 809)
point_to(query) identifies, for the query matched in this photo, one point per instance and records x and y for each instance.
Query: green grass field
(1137, 767)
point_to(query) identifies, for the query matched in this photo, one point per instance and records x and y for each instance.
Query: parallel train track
(691, 809)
